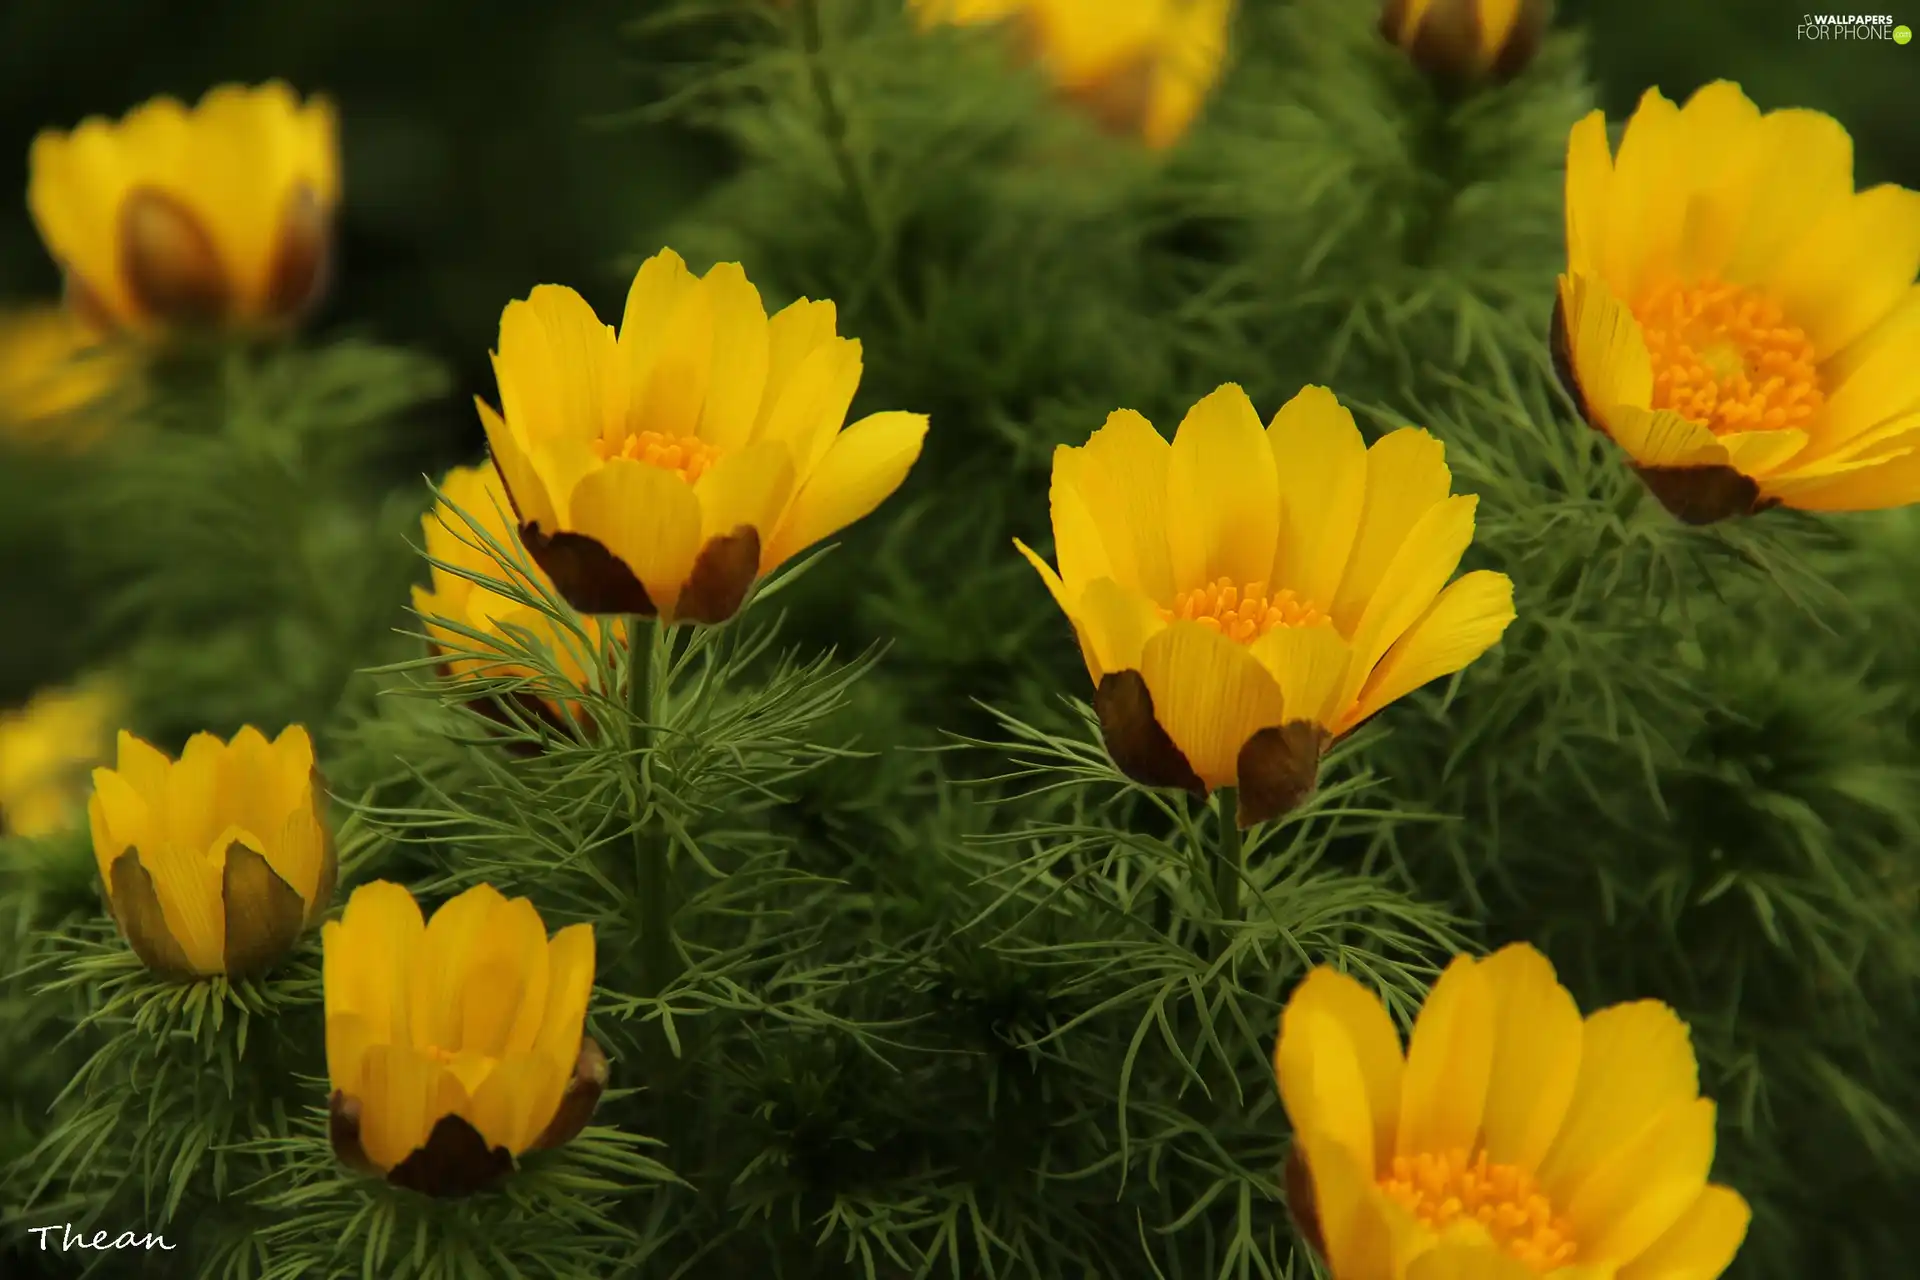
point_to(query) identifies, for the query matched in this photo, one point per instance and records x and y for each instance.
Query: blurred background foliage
(492, 146)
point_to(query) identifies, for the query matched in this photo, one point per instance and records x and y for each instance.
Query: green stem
(1229, 855)
(659, 959)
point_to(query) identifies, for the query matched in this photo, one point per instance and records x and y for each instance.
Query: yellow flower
(1463, 41)
(1511, 1140)
(46, 749)
(455, 1044)
(53, 370)
(218, 862)
(477, 491)
(1735, 316)
(220, 214)
(1140, 67)
(663, 470)
(1244, 596)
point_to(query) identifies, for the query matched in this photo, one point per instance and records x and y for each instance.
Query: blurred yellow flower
(1245, 596)
(455, 1044)
(663, 470)
(477, 491)
(46, 750)
(1462, 41)
(1510, 1140)
(1735, 316)
(1139, 67)
(218, 862)
(54, 369)
(216, 215)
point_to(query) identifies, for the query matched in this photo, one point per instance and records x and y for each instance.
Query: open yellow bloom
(477, 491)
(455, 1044)
(1243, 596)
(217, 862)
(1462, 41)
(219, 214)
(53, 370)
(1140, 67)
(1511, 1140)
(665, 469)
(1735, 316)
(46, 750)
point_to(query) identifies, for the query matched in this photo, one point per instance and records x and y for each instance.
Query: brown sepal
(1522, 45)
(303, 257)
(1560, 343)
(1300, 1201)
(722, 574)
(589, 1081)
(1447, 43)
(455, 1161)
(1139, 746)
(343, 1133)
(1393, 16)
(1705, 495)
(591, 578)
(1277, 768)
(264, 913)
(169, 262)
(136, 908)
(1121, 100)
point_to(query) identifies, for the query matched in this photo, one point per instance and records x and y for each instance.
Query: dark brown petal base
(1694, 495)
(1276, 770)
(169, 263)
(302, 260)
(1300, 1203)
(136, 908)
(1446, 46)
(454, 1161)
(265, 914)
(590, 1073)
(595, 581)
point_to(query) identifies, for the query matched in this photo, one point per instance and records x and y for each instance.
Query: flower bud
(1464, 42)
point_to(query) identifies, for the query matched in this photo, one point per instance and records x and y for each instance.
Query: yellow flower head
(1463, 41)
(46, 749)
(53, 370)
(1244, 595)
(1511, 1139)
(1140, 67)
(217, 862)
(220, 214)
(455, 1044)
(1735, 316)
(477, 491)
(663, 470)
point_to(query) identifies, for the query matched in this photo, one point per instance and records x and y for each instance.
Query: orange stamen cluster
(1728, 358)
(1450, 1187)
(1242, 614)
(688, 455)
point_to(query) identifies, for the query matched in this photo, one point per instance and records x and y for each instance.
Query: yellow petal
(349, 1036)
(1322, 1086)
(1536, 1056)
(1311, 666)
(1873, 380)
(1320, 459)
(461, 932)
(1636, 1062)
(647, 517)
(1406, 476)
(403, 1094)
(1427, 557)
(1718, 127)
(1210, 695)
(1890, 479)
(1701, 1244)
(516, 1100)
(793, 335)
(675, 394)
(860, 470)
(1117, 623)
(1456, 1261)
(1762, 453)
(1079, 543)
(1329, 1005)
(187, 884)
(122, 817)
(1463, 622)
(813, 403)
(740, 354)
(1223, 498)
(659, 288)
(1449, 1061)
(368, 958)
(504, 993)
(1645, 215)
(1615, 377)
(569, 988)
(562, 385)
(1645, 1187)
(531, 501)
(1120, 479)
(750, 486)
(1798, 166)
(1589, 194)
(1069, 605)
(1368, 1236)
(1852, 268)
(144, 767)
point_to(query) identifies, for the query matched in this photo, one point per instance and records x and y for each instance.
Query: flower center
(1728, 358)
(1449, 1188)
(688, 455)
(1243, 613)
